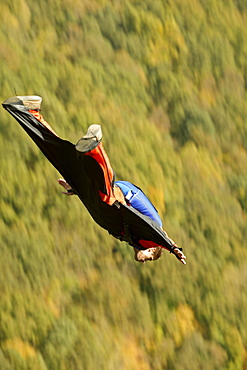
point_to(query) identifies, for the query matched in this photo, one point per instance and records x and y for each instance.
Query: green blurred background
(167, 80)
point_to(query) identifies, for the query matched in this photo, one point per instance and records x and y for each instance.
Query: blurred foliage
(168, 81)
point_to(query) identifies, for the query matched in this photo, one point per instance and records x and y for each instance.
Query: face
(144, 255)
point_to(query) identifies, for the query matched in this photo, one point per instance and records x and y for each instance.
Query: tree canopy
(167, 80)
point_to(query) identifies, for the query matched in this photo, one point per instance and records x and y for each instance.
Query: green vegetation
(168, 81)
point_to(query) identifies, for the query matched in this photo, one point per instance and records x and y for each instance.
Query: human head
(150, 254)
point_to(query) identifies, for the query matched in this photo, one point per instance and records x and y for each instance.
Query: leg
(41, 119)
(60, 153)
(74, 166)
(96, 163)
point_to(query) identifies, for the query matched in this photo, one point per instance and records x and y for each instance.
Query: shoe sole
(31, 101)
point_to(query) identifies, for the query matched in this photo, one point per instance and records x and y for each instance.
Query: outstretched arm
(179, 254)
(177, 251)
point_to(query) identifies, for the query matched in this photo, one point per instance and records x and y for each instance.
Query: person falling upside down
(119, 207)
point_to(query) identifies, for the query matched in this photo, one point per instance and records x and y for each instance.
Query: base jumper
(117, 206)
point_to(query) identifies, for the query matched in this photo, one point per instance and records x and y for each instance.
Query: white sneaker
(94, 131)
(91, 140)
(32, 102)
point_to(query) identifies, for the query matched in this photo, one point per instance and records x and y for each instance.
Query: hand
(66, 186)
(179, 254)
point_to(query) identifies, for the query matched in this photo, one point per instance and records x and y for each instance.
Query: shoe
(31, 102)
(91, 140)
(93, 131)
